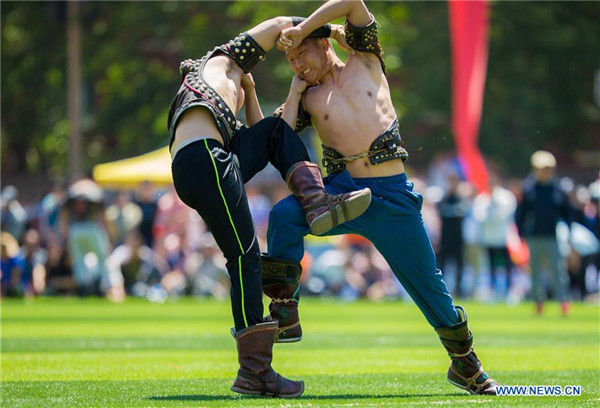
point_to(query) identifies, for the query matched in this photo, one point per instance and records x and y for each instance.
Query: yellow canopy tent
(127, 173)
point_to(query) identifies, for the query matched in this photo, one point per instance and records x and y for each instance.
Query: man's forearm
(290, 110)
(253, 111)
(266, 33)
(355, 11)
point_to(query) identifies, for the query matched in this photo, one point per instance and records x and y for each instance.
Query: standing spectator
(543, 205)
(452, 208)
(122, 217)
(146, 200)
(82, 222)
(172, 216)
(49, 210)
(495, 213)
(14, 216)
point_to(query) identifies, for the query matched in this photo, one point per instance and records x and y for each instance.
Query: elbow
(282, 22)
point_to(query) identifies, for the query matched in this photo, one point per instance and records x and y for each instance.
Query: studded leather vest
(195, 90)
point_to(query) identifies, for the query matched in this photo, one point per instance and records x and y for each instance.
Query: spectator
(588, 217)
(452, 209)
(122, 217)
(49, 210)
(172, 216)
(13, 215)
(59, 276)
(82, 222)
(35, 259)
(495, 213)
(146, 200)
(129, 264)
(543, 205)
(14, 281)
(206, 272)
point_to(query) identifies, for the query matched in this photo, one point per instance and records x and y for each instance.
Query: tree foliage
(543, 57)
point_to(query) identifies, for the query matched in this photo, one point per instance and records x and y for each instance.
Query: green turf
(89, 352)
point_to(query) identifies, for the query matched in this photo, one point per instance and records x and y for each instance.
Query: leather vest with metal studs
(195, 91)
(365, 39)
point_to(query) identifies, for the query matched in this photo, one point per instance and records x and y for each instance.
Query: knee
(271, 124)
(284, 209)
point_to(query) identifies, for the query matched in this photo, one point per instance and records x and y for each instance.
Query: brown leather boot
(324, 211)
(280, 282)
(255, 353)
(466, 371)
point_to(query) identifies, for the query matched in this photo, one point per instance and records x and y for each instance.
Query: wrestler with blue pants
(349, 104)
(393, 223)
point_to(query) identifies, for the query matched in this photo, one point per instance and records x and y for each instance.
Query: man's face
(544, 175)
(309, 60)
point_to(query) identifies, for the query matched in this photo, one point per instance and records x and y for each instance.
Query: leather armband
(321, 32)
(245, 51)
(365, 39)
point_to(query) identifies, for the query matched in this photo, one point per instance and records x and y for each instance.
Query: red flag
(469, 26)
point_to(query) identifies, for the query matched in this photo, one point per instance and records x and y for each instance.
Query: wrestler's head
(312, 59)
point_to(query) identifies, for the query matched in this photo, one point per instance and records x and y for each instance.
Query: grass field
(89, 352)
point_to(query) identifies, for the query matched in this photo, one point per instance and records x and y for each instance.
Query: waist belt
(386, 147)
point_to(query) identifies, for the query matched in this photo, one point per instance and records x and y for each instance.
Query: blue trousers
(393, 223)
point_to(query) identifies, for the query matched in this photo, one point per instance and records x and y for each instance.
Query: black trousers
(210, 179)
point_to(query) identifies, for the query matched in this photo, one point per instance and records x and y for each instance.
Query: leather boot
(466, 371)
(324, 211)
(255, 353)
(280, 283)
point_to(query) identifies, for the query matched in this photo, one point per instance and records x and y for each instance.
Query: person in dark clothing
(542, 206)
(214, 156)
(589, 217)
(452, 208)
(148, 204)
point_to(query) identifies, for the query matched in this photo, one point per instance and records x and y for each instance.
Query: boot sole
(289, 340)
(354, 208)
(462, 387)
(268, 394)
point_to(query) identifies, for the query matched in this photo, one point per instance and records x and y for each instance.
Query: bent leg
(207, 178)
(271, 140)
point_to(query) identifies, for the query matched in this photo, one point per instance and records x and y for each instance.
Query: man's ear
(324, 43)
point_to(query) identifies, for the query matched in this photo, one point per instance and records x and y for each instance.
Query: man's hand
(247, 82)
(339, 35)
(290, 38)
(298, 85)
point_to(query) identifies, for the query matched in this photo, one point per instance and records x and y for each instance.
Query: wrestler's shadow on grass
(200, 397)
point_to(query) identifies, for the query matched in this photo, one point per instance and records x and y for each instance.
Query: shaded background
(543, 58)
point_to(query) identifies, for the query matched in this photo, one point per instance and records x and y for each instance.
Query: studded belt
(385, 147)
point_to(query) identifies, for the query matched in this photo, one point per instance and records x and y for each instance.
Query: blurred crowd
(534, 238)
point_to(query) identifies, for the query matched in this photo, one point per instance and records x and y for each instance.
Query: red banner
(469, 26)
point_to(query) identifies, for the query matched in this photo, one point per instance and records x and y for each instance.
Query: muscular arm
(266, 33)
(355, 12)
